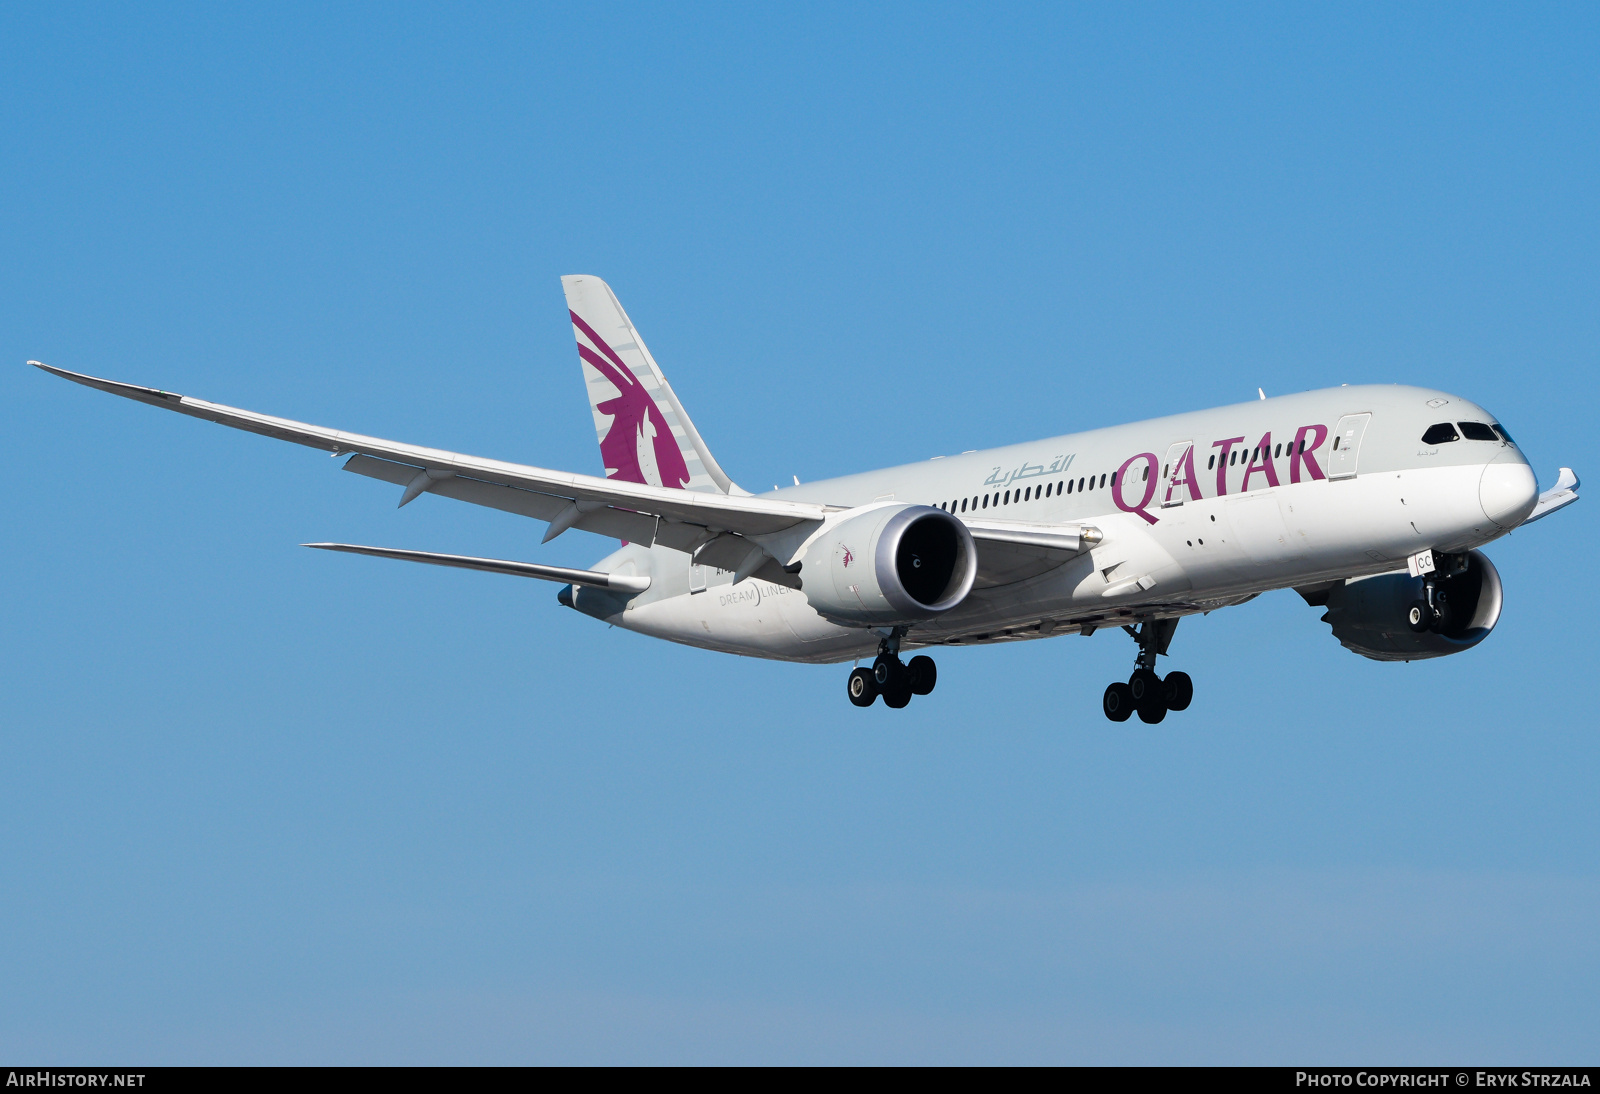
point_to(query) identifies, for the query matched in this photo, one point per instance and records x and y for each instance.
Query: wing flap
(617, 523)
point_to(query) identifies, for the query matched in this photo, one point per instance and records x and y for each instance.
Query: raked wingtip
(54, 371)
(65, 374)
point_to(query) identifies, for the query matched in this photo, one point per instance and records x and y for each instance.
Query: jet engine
(1373, 616)
(890, 565)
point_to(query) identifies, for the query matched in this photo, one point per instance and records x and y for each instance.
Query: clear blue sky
(259, 803)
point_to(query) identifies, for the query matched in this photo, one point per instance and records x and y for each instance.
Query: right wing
(1559, 496)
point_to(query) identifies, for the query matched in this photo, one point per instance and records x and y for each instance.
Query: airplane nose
(1508, 490)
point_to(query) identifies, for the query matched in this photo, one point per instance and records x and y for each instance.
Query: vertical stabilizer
(645, 435)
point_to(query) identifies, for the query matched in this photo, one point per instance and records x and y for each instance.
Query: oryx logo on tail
(645, 435)
(637, 444)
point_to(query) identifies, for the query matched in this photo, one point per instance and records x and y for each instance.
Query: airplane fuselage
(1197, 511)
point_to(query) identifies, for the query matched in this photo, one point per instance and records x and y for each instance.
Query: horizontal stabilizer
(1559, 496)
(623, 583)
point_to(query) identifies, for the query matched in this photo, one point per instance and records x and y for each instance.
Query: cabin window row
(1442, 433)
(1255, 455)
(1032, 493)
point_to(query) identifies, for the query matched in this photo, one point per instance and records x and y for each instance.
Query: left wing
(1011, 550)
(684, 519)
(722, 530)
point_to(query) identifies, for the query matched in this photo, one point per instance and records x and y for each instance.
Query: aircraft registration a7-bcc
(1370, 501)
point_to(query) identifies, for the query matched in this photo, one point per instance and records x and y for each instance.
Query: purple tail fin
(645, 435)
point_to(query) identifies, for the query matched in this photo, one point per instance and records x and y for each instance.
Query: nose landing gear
(1432, 611)
(1147, 693)
(891, 678)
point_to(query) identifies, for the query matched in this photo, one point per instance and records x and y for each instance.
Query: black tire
(888, 673)
(1178, 689)
(1149, 697)
(897, 697)
(924, 674)
(1419, 617)
(863, 689)
(1144, 684)
(1117, 702)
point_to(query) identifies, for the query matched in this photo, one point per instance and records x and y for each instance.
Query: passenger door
(1169, 472)
(1347, 445)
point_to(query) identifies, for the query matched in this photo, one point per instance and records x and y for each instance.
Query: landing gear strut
(1147, 693)
(1432, 611)
(889, 677)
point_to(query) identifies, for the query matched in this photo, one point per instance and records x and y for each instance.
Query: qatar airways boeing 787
(1370, 501)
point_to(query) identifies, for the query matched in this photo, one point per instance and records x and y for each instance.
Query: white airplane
(1371, 501)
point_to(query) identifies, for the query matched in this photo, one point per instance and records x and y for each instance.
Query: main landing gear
(896, 681)
(1147, 693)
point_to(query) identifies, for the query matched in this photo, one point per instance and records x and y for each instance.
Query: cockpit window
(1442, 433)
(1504, 436)
(1477, 431)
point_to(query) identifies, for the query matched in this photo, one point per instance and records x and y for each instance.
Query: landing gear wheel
(1178, 690)
(1149, 698)
(887, 672)
(893, 681)
(862, 687)
(1117, 702)
(924, 674)
(1419, 616)
(1144, 685)
(1146, 692)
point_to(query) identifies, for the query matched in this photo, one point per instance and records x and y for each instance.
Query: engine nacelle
(1368, 615)
(889, 565)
